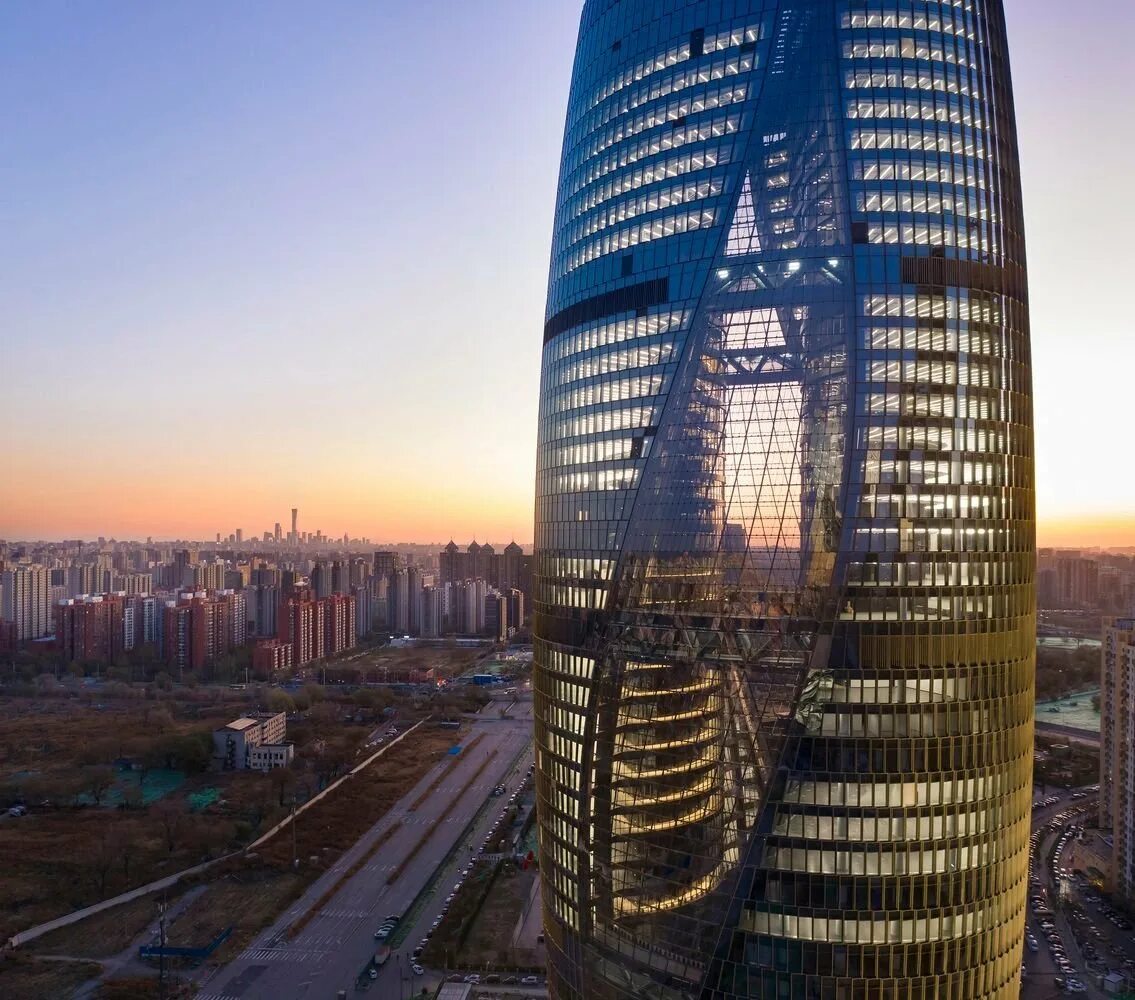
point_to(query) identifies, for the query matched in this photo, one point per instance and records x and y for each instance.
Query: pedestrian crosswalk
(349, 914)
(301, 955)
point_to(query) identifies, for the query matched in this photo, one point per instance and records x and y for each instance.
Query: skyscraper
(784, 607)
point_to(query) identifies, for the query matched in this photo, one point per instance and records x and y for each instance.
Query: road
(1038, 982)
(332, 949)
(1071, 733)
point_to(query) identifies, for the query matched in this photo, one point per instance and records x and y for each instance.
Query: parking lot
(1073, 935)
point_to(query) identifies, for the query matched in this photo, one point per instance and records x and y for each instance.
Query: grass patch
(143, 988)
(444, 948)
(248, 901)
(107, 933)
(25, 978)
(476, 930)
(491, 932)
(333, 824)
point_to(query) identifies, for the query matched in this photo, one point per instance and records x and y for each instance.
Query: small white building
(271, 755)
(233, 745)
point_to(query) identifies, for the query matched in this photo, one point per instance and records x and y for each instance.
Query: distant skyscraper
(364, 608)
(451, 564)
(321, 580)
(295, 526)
(496, 616)
(792, 758)
(431, 612)
(340, 577)
(398, 595)
(80, 579)
(385, 563)
(26, 601)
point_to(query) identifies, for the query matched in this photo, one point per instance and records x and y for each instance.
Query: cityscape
(588, 500)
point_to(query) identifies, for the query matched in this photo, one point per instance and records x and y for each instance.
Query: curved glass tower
(784, 519)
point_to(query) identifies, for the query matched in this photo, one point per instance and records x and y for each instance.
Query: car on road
(473, 978)
(373, 973)
(418, 970)
(530, 980)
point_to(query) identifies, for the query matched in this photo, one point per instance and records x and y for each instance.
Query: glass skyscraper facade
(784, 607)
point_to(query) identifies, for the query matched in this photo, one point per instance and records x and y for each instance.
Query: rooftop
(241, 724)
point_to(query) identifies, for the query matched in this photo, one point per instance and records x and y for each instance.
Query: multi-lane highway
(335, 944)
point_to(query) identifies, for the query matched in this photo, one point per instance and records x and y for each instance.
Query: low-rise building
(271, 755)
(233, 745)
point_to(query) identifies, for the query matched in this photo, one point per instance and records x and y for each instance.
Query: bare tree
(99, 781)
(172, 817)
(102, 853)
(127, 851)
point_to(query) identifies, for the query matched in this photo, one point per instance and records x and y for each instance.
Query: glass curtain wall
(784, 608)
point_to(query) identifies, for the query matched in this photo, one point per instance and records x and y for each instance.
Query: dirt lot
(105, 934)
(24, 978)
(492, 930)
(386, 664)
(110, 780)
(143, 988)
(472, 935)
(247, 900)
(256, 891)
(58, 756)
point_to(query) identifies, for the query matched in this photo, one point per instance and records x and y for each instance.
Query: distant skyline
(277, 254)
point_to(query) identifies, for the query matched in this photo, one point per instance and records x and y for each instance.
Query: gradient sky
(277, 254)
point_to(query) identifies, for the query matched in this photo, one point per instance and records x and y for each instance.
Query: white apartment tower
(27, 600)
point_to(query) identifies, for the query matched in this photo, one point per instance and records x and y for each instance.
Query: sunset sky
(277, 254)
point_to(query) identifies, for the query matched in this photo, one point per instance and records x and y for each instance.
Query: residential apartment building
(92, 628)
(1117, 748)
(25, 601)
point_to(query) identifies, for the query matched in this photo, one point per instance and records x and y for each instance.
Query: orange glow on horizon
(470, 498)
(1087, 531)
(165, 512)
